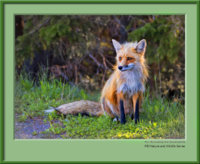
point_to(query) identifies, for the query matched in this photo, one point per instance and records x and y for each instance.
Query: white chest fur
(130, 82)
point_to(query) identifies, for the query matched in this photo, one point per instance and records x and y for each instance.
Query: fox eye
(120, 58)
(129, 58)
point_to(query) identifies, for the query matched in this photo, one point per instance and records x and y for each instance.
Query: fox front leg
(136, 107)
(137, 112)
(121, 108)
(122, 114)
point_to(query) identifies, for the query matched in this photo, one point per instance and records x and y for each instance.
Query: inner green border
(198, 79)
(94, 148)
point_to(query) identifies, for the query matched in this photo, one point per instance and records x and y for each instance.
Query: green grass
(160, 118)
(32, 99)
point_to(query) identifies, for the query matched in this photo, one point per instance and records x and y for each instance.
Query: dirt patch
(33, 128)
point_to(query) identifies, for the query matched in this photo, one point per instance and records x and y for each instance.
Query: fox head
(129, 55)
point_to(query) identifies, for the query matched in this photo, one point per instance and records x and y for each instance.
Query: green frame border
(100, 1)
(2, 83)
(3, 2)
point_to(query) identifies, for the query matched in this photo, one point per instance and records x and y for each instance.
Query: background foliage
(78, 49)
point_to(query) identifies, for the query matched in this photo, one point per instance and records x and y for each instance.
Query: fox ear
(141, 46)
(116, 45)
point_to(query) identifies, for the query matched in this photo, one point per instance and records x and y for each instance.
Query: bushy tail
(83, 107)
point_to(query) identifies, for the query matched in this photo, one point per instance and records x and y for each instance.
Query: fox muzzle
(126, 67)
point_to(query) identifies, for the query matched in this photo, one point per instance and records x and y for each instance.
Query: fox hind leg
(108, 107)
(116, 119)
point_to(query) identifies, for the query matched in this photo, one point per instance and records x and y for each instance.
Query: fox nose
(120, 67)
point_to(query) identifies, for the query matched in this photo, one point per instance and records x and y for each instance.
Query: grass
(160, 118)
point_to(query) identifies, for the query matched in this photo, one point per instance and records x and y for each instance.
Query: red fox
(122, 93)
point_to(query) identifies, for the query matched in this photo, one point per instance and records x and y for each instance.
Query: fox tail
(83, 107)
